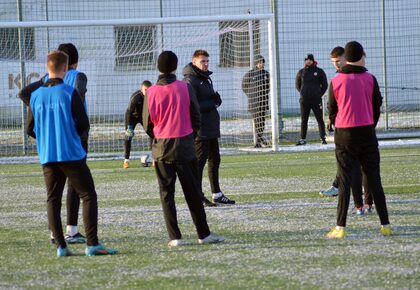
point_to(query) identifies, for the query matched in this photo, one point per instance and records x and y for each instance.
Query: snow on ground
(400, 143)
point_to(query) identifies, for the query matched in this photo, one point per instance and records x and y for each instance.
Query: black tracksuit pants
(208, 150)
(128, 141)
(358, 184)
(305, 109)
(73, 199)
(259, 125)
(78, 173)
(187, 173)
(368, 156)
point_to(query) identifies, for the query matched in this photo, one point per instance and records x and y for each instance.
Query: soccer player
(171, 116)
(354, 108)
(256, 85)
(311, 83)
(197, 74)
(133, 116)
(338, 61)
(58, 120)
(77, 80)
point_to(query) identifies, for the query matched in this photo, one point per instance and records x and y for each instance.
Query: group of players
(183, 123)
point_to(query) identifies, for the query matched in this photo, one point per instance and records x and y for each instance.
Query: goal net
(117, 55)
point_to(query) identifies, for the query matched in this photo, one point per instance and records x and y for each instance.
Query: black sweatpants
(305, 109)
(259, 125)
(73, 199)
(368, 156)
(208, 150)
(127, 142)
(358, 185)
(79, 175)
(187, 173)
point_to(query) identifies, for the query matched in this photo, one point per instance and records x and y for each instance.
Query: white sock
(72, 230)
(52, 236)
(126, 160)
(217, 195)
(339, 228)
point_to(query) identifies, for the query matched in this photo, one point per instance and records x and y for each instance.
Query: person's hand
(217, 99)
(330, 127)
(129, 132)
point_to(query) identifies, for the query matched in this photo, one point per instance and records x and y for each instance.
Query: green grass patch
(275, 233)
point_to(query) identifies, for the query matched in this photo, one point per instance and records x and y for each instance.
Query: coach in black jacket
(196, 73)
(256, 85)
(311, 83)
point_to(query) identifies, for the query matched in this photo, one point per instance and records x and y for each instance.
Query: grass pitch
(275, 233)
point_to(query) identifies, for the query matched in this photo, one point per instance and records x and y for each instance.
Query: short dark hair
(146, 83)
(259, 59)
(56, 60)
(200, 52)
(337, 51)
(71, 50)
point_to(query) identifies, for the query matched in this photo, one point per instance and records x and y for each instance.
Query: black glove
(330, 127)
(217, 99)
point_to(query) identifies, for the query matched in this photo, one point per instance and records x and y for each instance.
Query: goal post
(118, 54)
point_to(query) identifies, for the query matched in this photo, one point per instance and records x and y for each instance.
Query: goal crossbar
(143, 21)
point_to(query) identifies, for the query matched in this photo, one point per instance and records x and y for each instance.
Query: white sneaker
(175, 243)
(211, 239)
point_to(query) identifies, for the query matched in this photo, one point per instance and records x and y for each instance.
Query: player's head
(259, 61)
(167, 62)
(144, 86)
(309, 59)
(57, 64)
(337, 57)
(71, 51)
(354, 53)
(200, 59)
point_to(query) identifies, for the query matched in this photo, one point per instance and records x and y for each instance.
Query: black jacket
(311, 83)
(172, 150)
(133, 115)
(208, 101)
(363, 135)
(256, 85)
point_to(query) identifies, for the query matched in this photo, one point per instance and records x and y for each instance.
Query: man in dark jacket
(197, 74)
(311, 83)
(355, 136)
(256, 85)
(171, 116)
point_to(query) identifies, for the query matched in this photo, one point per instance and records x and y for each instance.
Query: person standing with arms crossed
(355, 136)
(311, 83)
(197, 74)
(171, 116)
(256, 85)
(57, 119)
(77, 80)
